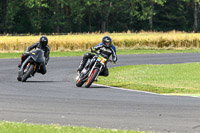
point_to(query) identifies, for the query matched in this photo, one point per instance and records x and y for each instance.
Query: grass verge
(15, 127)
(119, 52)
(175, 79)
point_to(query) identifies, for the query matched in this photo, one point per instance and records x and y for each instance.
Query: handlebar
(94, 51)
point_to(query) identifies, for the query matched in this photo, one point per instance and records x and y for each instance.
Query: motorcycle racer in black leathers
(42, 44)
(106, 48)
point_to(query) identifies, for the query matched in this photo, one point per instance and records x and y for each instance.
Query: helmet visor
(44, 43)
(107, 43)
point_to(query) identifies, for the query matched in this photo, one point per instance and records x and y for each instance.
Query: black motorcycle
(91, 70)
(31, 65)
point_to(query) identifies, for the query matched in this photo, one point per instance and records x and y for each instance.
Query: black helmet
(43, 41)
(107, 41)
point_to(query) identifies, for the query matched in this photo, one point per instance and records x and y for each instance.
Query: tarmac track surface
(54, 98)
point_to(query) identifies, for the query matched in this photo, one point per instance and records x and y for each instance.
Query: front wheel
(28, 73)
(91, 78)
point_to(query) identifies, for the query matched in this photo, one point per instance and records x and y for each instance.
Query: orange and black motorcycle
(91, 70)
(31, 65)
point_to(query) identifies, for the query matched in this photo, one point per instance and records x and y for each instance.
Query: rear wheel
(91, 78)
(28, 73)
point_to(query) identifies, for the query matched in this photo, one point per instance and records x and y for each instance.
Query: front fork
(21, 70)
(93, 69)
(98, 73)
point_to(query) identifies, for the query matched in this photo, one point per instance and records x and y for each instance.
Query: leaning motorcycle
(91, 70)
(31, 65)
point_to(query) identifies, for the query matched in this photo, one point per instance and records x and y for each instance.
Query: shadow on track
(43, 81)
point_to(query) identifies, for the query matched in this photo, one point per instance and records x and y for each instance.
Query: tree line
(65, 16)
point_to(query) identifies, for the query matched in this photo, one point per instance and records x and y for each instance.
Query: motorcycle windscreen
(38, 56)
(105, 55)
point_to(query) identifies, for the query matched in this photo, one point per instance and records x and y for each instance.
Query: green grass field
(15, 127)
(119, 52)
(181, 79)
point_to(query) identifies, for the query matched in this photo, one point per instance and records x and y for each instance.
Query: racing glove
(92, 50)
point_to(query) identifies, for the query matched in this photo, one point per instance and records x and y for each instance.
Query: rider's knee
(86, 56)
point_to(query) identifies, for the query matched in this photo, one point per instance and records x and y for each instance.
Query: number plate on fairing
(101, 59)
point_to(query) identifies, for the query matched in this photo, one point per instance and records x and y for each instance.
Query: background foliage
(71, 42)
(65, 16)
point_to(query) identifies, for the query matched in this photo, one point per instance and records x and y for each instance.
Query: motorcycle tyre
(79, 83)
(28, 73)
(91, 78)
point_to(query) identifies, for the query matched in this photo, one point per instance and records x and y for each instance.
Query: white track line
(117, 88)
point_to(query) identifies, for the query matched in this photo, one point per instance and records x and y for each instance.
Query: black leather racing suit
(107, 51)
(46, 50)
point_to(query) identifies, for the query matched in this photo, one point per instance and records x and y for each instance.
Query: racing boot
(19, 65)
(81, 66)
(22, 59)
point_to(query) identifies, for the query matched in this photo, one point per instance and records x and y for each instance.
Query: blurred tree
(3, 6)
(63, 16)
(196, 10)
(172, 16)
